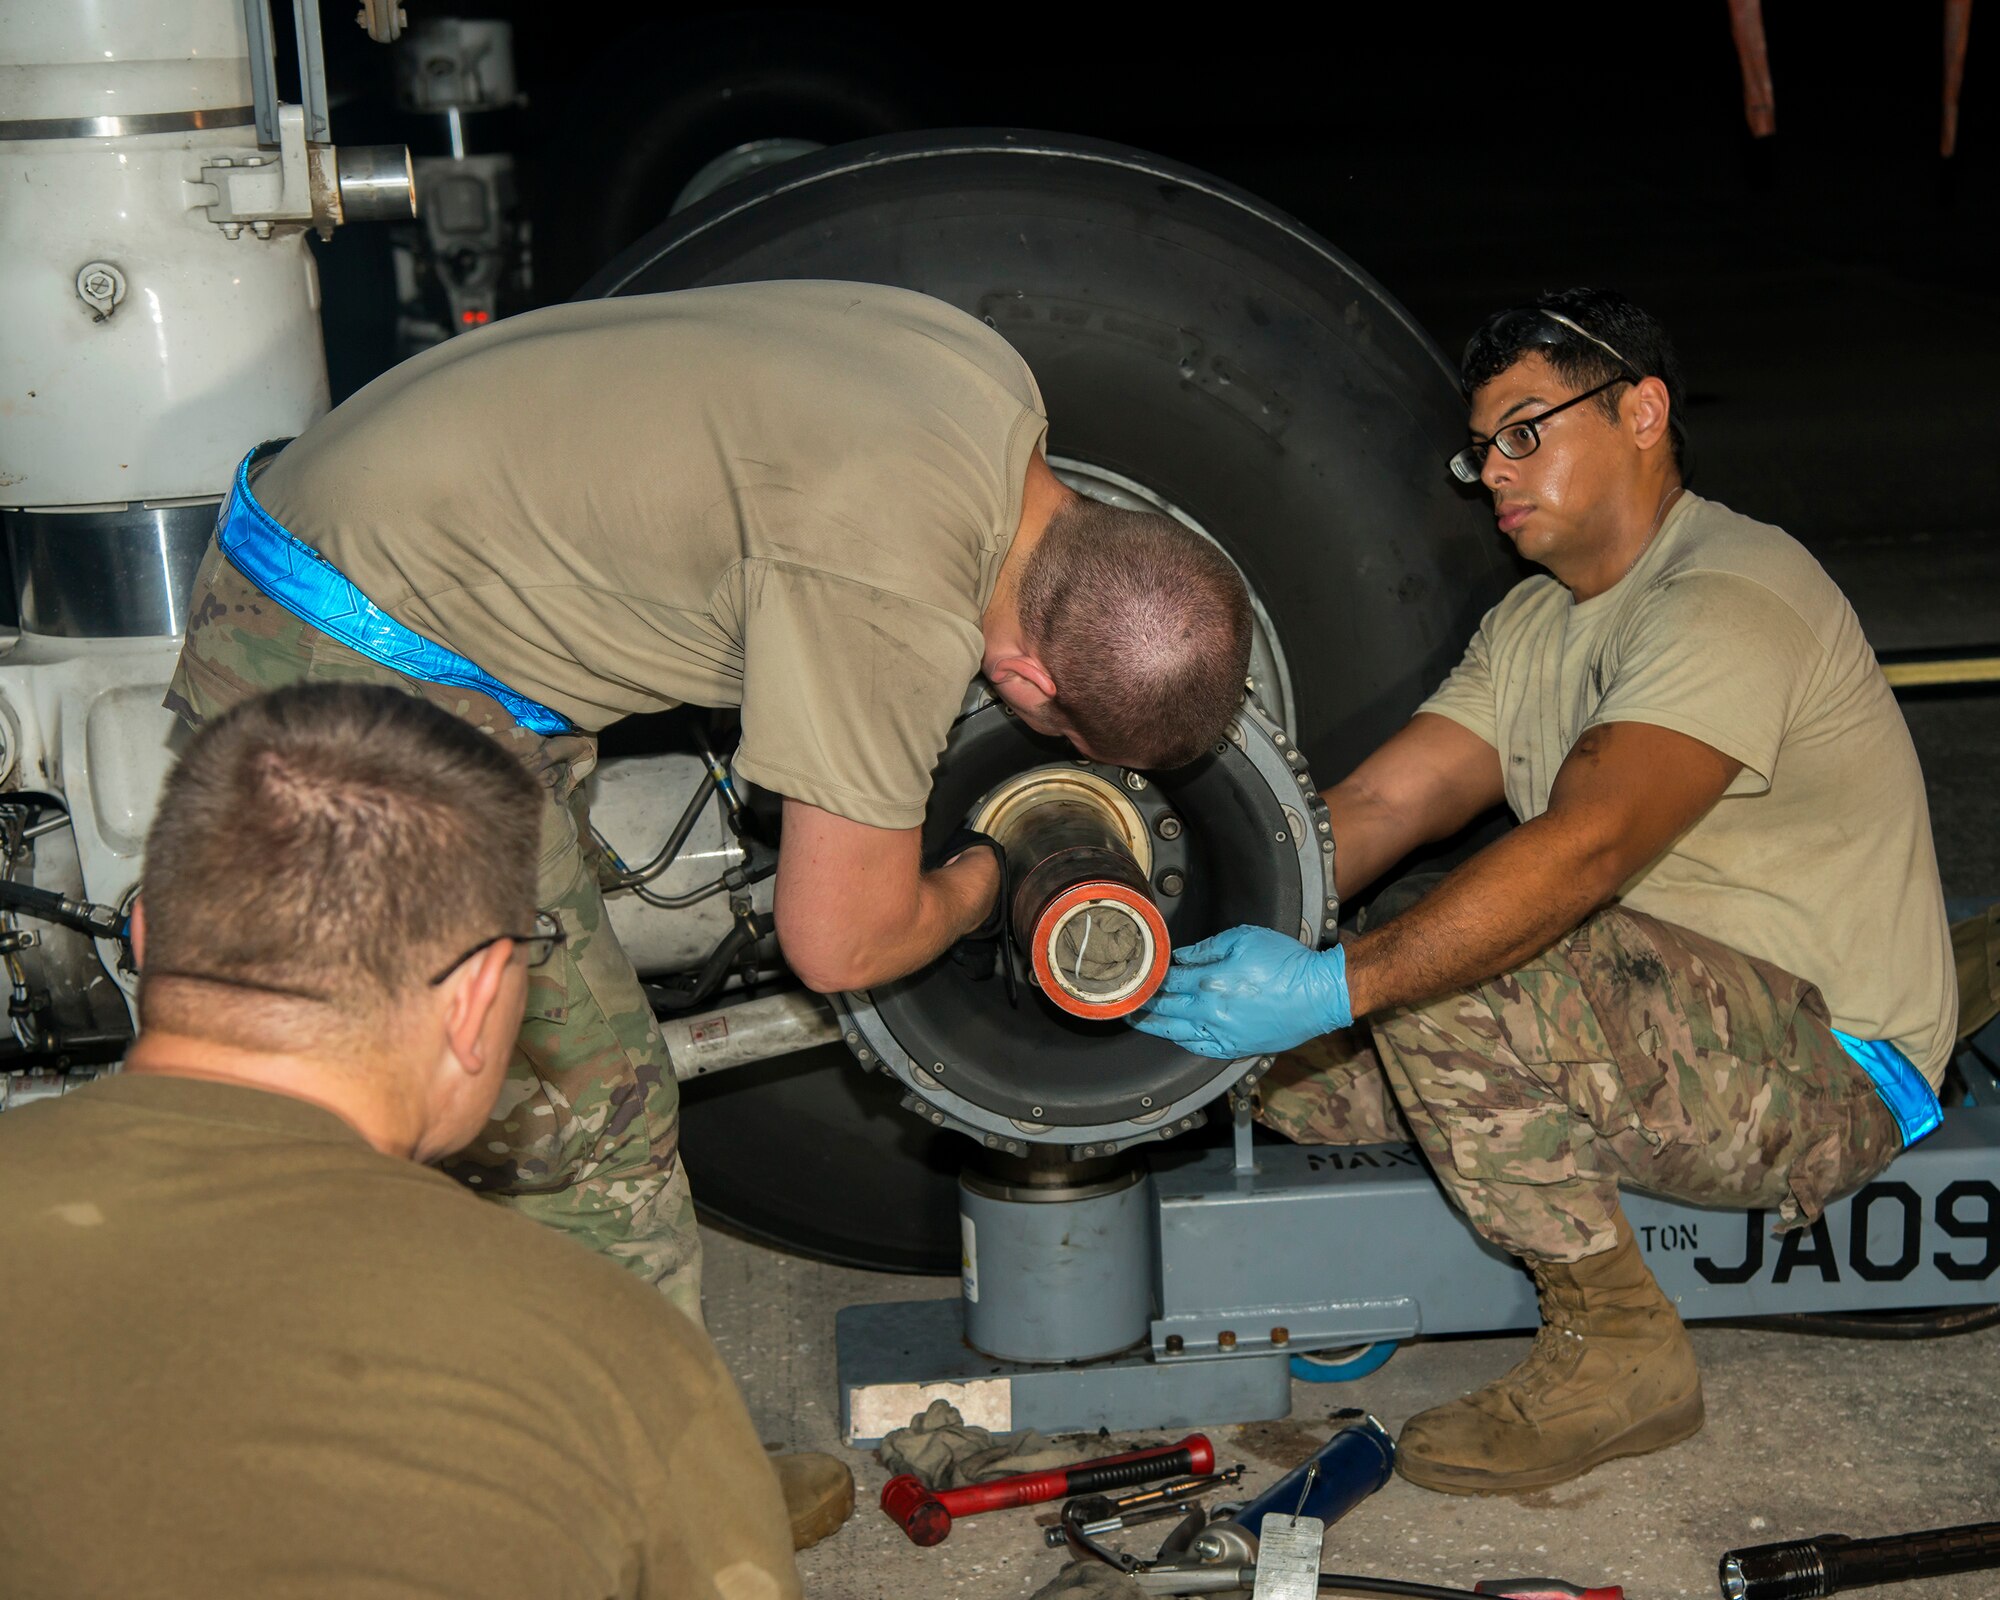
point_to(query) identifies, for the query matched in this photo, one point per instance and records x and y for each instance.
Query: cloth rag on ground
(1089, 1580)
(944, 1451)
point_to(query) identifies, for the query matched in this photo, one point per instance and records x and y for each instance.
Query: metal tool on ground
(1804, 1569)
(1288, 1549)
(1097, 1515)
(1336, 1478)
(926, 1514)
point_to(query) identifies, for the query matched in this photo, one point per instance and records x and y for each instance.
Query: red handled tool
(926, 1514)
(1544, 1589)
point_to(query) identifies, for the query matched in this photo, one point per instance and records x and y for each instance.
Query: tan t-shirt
(255, 1357)
(1819, 856)
(789, 497)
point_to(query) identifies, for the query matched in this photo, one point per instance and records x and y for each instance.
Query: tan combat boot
(1612, 1374)
(819, 1494)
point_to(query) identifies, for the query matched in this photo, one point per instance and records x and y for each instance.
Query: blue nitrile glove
(1248, 992)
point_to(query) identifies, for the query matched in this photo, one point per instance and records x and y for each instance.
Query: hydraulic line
(750, 927)
(667, 852)
(46, 905)
(1347, 1582)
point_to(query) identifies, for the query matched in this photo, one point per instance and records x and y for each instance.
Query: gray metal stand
(1262, 1253)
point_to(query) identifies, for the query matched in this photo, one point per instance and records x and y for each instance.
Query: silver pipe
(263, 68)
(312, 70)
(733, 1036)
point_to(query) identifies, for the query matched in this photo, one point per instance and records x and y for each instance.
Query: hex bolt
(1225, 1340)
(1135, 781)
(1326, 827)
(1167, 825)
(1332, 923)
(1172, 883)
(1280, 1337)
(864, 1055)
(1175, 1344)
(851, 1036)
(1209, 1547)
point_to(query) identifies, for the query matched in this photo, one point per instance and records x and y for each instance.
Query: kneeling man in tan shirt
(1712, 960)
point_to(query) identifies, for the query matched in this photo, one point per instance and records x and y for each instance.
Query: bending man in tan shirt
(824, 504)
(278, 1355)
(1711, 961)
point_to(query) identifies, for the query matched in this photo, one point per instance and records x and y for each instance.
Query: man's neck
(1636, 523)
(1042, 495)
(355, 1097)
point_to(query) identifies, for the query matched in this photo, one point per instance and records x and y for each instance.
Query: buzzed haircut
(1506, 336)
(1145, 628)
(337, 842)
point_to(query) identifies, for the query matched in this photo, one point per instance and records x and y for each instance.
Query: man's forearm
(949, 904)
(1508, 903)
(1369, 836)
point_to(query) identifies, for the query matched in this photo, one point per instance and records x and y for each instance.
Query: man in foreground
(822, 503)
(276, 1354)
(1711, 961)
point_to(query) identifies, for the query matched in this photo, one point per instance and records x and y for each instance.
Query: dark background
(1833, 289)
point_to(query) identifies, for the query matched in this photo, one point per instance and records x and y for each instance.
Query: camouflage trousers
(585, 1137)
(1630, 1051)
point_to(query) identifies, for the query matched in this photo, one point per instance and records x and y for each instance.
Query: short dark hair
(1606, 314)
(334, 841)
(1144, 626)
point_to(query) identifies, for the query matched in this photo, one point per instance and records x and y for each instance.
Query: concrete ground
(1805, 1435)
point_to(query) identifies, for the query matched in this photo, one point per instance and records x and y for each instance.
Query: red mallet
(926, 1514)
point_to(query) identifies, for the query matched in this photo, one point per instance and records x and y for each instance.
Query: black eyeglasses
(1521, 438)
(549, 937)
(1524, 438)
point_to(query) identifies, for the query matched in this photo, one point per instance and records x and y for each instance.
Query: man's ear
(470, 995)
(1030, 678)
(139, 933)
(1646, 410)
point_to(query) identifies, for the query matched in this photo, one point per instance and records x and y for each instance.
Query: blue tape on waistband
(313, 589)
(1910, 1098)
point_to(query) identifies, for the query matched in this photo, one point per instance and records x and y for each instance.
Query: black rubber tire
(1186, 336)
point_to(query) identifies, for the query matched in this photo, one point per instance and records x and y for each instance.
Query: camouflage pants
(585, 1137)
(1630, 1051)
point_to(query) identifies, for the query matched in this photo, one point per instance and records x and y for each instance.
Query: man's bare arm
(1424, 783)
(1625, 793)
(854, 906)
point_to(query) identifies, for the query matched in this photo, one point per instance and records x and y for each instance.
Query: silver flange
(1268, 777)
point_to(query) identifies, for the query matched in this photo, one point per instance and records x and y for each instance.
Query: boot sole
(1680, 1421)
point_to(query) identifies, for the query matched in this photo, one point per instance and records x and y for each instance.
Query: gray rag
(1089, 1580)
(945, 1452)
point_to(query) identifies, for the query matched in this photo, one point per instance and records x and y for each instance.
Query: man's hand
(963, 840)
(1248, 992)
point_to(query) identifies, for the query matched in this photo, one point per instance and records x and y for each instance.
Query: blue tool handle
(1353, 1464)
